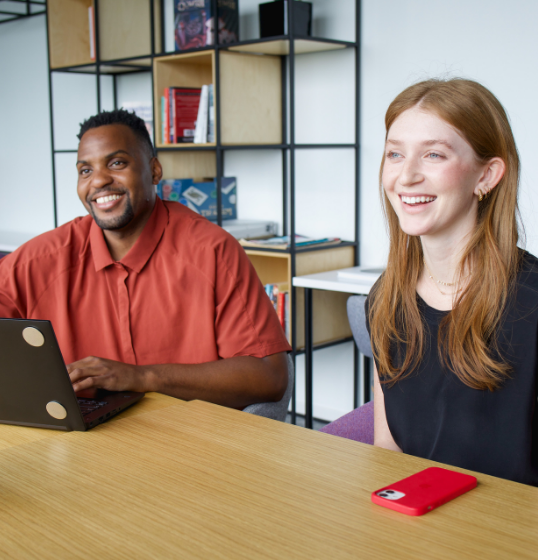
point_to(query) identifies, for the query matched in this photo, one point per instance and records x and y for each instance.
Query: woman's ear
(492, 174)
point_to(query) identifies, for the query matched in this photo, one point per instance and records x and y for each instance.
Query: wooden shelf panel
(184, 165)
(330, 314)
(124, 31)
(251, 99)
(69, 32)
(281, 47)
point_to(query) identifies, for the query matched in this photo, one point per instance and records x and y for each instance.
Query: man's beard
(118, 222)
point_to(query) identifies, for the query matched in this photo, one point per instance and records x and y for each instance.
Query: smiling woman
(454, 319)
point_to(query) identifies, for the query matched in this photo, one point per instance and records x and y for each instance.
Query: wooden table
(194, 480)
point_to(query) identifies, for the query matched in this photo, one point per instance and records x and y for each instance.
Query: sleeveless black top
(432, 414)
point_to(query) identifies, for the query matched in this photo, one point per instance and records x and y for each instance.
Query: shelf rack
(116, 53)
(11, 10)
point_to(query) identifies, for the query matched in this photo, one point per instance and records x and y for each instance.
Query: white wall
(25, 159)
(491, 41)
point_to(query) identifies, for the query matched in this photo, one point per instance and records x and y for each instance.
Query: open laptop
(35, 389)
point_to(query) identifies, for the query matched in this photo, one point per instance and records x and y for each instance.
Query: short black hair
(119, 116)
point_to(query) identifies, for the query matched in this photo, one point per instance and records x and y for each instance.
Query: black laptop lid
(33, 377)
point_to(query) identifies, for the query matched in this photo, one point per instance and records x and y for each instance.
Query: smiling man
(146, 295)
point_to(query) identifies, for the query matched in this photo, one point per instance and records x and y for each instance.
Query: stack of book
(279, 296)
(283, 242)
(188, 115)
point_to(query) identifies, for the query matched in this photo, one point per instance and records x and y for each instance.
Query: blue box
(202, 198)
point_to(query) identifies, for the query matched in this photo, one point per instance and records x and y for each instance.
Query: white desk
(333, 281)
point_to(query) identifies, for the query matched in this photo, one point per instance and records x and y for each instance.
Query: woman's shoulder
(526, 285)
(528, 271)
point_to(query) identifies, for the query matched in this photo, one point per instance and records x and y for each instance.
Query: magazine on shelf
(194, 24)
(283, 242)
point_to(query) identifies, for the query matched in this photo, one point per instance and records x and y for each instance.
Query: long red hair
(467, 341)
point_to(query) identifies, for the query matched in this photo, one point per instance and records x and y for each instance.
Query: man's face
(116, 177)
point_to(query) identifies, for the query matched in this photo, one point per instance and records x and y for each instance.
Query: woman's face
(431, 176)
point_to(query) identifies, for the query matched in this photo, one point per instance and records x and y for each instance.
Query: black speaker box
(274, 18)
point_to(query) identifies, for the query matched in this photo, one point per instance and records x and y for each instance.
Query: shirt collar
(141, 251)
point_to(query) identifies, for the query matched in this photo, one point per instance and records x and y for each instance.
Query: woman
(454, 319)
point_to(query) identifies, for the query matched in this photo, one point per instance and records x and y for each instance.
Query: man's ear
(156, 170)
(492, 174)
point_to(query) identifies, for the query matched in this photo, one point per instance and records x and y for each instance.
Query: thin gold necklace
(437, 282)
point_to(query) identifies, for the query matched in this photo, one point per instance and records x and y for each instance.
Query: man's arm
(232, 382)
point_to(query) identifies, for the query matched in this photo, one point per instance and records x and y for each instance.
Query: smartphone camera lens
(382, 494)
(389, 491)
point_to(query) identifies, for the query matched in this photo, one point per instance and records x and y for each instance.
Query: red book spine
(281, 309)
(166, 139)
(171, 119)
(186, 101)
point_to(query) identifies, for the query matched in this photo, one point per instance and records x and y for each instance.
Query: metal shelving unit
(11, 10)
(290, 46)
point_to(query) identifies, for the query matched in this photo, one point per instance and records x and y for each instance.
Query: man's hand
(98, 373)
(234, 382)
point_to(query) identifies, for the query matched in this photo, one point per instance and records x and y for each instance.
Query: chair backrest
(276, 410)
(357, 320)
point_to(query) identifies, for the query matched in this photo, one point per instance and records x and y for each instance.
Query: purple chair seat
(357, 425)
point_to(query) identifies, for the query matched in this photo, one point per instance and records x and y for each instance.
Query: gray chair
(357, 322)
(358, 425)
(276, 410)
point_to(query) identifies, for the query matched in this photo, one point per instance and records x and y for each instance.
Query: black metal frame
(288, 148)
(25, 13)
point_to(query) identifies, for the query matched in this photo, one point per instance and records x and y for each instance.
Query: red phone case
(424, 491)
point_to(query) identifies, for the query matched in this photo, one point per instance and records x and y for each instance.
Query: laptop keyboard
(90, 405)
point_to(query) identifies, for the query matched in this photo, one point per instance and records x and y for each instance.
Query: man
(146, 295)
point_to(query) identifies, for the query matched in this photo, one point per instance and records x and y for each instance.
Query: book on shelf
(188, 115)
(279, 295)
(200, 195)
(91, 26)
(200, 132)
(194, 24)
(184, 103)
(179, 111)
(211, 114)
(283, 242)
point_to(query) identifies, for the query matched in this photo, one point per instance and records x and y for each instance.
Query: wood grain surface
(11, 436)
(194, 480)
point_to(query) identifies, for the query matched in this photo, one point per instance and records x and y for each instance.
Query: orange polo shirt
(185, 293)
